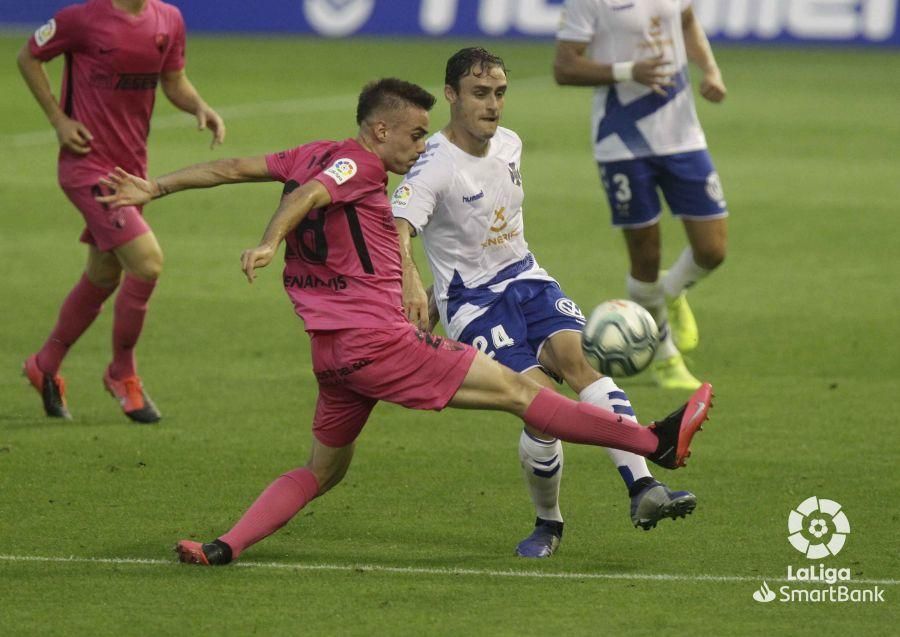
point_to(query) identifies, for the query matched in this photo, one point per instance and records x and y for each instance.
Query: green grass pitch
(798, 335)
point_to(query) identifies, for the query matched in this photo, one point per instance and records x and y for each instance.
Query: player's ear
(450, 94)
(380, 129)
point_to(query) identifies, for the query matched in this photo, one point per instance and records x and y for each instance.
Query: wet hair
(471, 60)
(392, 94)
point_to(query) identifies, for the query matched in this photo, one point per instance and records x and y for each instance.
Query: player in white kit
(464, 197)
(646, 137)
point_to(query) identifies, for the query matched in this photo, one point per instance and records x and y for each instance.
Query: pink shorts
(356, 368)
(106, 229)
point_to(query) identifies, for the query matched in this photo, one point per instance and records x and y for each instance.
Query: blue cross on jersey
(622, 120)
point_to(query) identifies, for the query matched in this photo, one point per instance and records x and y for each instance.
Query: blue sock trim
(627, 476)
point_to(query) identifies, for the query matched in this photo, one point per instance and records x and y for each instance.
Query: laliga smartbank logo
(818, 528)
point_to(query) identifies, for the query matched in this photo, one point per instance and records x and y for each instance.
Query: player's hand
(258, 257)
(655, 72)
(208, 118)
(415, 301)
(73, 135)
(712, 87)
(126, 189)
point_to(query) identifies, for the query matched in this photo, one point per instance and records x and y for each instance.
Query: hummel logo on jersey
(473, 198)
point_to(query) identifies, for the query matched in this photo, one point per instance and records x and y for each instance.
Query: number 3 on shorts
(499, 337)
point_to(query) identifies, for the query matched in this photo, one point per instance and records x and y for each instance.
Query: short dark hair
(464, 61)
(393, 94)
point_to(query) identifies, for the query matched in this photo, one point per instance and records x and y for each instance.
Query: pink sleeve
(351, 177)
(61, 34)
(280, 164)
(175, 55)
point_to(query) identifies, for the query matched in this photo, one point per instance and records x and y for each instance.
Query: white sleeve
(418, 195)
(577, 21)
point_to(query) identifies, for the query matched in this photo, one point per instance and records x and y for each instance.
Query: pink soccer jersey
(342, 263)
(113, 63)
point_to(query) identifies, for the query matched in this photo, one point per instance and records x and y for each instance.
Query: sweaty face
(404, 139)
(478, 104)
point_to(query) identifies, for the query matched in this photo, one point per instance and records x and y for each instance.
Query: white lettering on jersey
(45, 33)
(342, 170)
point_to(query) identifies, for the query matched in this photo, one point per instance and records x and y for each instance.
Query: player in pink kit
(343, 274)
(116, 52)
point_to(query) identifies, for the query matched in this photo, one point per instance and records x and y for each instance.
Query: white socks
(604, 393)
(683, 274)
(542, 464)
(650, 296)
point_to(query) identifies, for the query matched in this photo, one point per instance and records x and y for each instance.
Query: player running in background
(343, 274)
(647, 136)
(464, 198)
(116, 52)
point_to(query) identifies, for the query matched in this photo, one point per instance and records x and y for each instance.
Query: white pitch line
(409, 570)
(315, 104)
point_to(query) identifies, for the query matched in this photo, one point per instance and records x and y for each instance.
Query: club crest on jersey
(514, 173)
(569, 308)
(342, 170)
(401, 196)
(45, 33)
(162, 41)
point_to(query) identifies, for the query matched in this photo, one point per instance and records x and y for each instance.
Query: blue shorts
(526, 314)
(688, 181)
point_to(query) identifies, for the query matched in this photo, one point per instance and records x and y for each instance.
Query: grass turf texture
(796, 334)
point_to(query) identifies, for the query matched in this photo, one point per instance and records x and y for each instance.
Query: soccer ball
(620, 338)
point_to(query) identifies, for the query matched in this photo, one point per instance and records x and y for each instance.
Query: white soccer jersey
(468, 211)
(629, 120)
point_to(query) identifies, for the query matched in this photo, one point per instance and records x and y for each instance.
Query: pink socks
(583, 423)
(78, 311)
(130, 310)
(273, 508)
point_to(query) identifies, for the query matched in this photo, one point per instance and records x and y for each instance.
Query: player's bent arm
(699, 51)
(35, 76)
(572, 68)
(293, 208)
(696, 43)
(181, 92)
(71, 134)
(415, 300)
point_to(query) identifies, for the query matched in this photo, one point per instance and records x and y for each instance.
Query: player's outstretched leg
(51, 387)
(489, 385)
